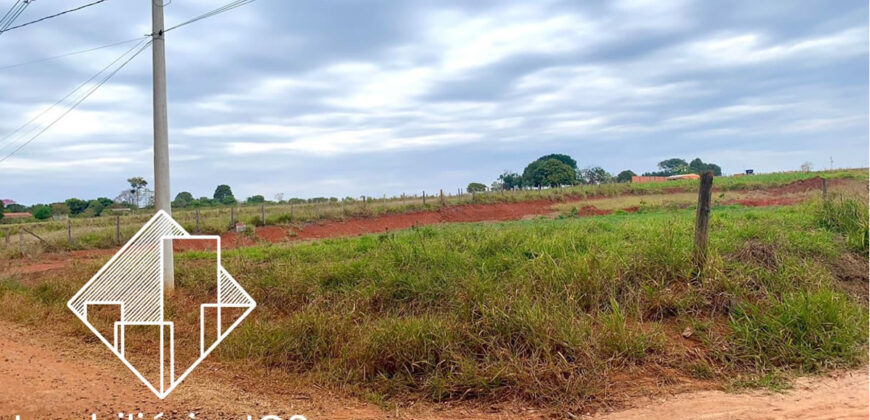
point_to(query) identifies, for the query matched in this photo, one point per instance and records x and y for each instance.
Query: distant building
(683, 176)
(635, 179)
(7, 201)
(19, 215)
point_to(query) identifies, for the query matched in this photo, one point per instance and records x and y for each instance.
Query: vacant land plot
(565, 313)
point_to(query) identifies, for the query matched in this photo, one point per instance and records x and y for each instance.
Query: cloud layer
(358, 97)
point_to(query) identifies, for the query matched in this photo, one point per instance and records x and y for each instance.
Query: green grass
(548, 311)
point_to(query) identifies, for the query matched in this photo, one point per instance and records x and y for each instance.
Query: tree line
(558, 170)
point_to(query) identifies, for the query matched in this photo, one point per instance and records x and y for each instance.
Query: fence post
(472, 197)
(263, 213)
(385, 201)
(68, 231)
(702, 221)
(443, 202)
(342, 207)
(424, 198)
(7, 237)
(291, 212)
(824, 188)
(118, 229)
(197, 220)
(232, 217)
(20, 242)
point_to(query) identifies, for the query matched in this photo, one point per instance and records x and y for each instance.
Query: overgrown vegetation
(549, 311)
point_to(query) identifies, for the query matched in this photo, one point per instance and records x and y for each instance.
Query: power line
(225, 8)
(50, 16)
(61, 100)
(141, 47)
(16, 10)
(55, 57)
(9, 12)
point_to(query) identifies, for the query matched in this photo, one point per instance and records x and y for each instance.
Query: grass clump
(808, 331)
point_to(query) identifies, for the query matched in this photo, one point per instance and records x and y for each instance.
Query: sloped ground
(42, 379)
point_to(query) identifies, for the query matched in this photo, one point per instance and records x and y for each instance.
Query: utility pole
(161, 134)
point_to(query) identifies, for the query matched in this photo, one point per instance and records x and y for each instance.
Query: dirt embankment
(43, 376)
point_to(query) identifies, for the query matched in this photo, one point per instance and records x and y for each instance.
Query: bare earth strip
(39, 379)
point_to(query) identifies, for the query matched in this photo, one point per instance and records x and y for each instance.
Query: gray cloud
(356, 97)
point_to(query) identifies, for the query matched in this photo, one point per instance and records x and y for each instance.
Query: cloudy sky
(351, 97)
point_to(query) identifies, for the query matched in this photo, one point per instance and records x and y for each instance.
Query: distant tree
(59, 209)
(2, 209)
(41, 211)
(256, 199)
(510, 180)
(137, 184)
(674, 166)
(696, 166)
(94, 209)
(296, 200)
(16, 208)
(552, 172)
(183, 199)
(224, 195)
(625, 176)
(806, 166)
(594, 175)
(76, 206)
(568, 160)
(475, 187)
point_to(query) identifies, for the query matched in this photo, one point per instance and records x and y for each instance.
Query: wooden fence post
(443, 201)
(68, 231)
(197, 220)
(424, 198)
(232, 217)
(7, 237)
(118, 229)
(263, 213)
(291, 212)
(702, 220)
(824, 188)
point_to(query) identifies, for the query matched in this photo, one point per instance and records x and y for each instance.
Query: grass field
(557, 312)
(100, 232)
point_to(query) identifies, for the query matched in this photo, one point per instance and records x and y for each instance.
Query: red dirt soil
(763, 202)
(398, 221)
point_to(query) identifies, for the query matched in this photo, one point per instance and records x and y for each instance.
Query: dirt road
(44, 377)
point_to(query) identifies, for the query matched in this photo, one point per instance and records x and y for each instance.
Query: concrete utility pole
(162, 199)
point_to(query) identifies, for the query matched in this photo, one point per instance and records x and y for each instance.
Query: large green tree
(183, 199)
(568, 160)
(552, 173)
(542, 172)
(224, 194)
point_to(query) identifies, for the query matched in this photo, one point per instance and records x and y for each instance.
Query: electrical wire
(40, 60)
(16, 10)
(50, 16)
(225, 8)
(9, 12)
(141, 47)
